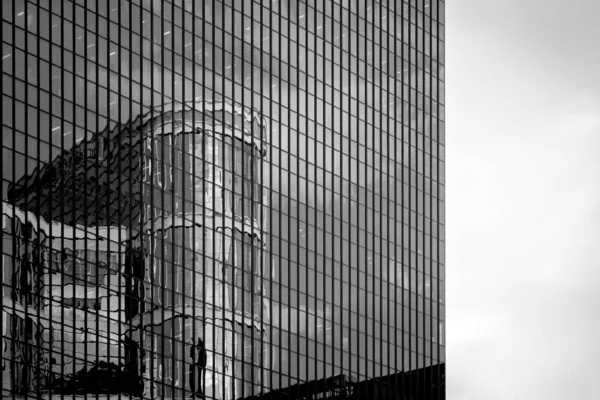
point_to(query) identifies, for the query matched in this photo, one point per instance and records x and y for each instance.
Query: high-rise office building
(223, 199)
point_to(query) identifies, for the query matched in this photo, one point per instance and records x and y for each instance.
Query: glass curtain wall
(223, 199)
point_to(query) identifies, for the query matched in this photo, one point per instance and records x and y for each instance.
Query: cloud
(523, 200)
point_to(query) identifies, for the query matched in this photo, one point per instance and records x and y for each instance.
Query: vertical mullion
(243, 245)
(203, 137)
(25, 238)
(192, 199)
(257, 211)
(410, 239)
(152, 238)
(276, 119)
(185, 298)
(198, 134)
(424, 200)
(420, 216)
(404, 167)
(378, 370)
(175, 269)
(240, 257)
(40, 245)
(393, 192)
(428, 206)
(140, 303)
(63, 188)
(370, 197)
(245, 261)
(268, 226)
(164, 167)
(255, 239)
(289, 203)
(97, 138)
(383, 98)
(436, 206)
(296, 204)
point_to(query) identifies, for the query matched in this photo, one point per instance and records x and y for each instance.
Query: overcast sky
(523, 199)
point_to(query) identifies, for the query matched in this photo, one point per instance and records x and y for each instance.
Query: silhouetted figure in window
(198, 354)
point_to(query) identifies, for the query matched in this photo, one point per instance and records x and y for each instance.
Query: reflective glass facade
(223, 199)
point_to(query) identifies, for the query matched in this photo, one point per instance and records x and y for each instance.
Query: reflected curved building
(223, 200)
(203, 241)
(194, 257)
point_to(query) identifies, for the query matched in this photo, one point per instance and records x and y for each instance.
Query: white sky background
(523, 199)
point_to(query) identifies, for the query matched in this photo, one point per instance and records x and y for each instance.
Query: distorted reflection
(127, 289)
(157, 247)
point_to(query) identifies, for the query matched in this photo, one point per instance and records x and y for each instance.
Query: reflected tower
(165, 288)
(202, 239)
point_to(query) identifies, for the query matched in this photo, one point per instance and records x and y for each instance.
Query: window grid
(109, 110)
